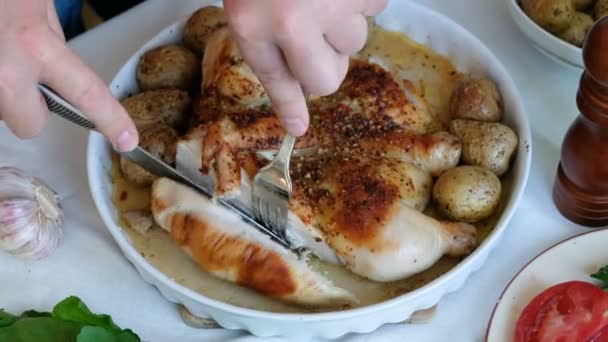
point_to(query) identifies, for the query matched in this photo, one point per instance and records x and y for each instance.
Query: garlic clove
(45, 242)
(30, 215)
(15, 219)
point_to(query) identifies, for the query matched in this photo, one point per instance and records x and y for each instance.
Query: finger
(349, 36)
(314, 63)
(74, 80)
(284, 91)
(370, 8)
(28, 115)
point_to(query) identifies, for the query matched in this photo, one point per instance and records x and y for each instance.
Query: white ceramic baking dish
(423, 25)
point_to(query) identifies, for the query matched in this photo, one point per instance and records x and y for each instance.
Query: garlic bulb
(30, 215)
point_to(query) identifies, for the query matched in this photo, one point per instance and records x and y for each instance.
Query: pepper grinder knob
(580, 191)
(595, 52)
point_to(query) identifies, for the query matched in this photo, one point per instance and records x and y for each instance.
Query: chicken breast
(223, 245)
(369, 211)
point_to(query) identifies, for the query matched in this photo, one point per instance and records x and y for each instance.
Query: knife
(157, 166)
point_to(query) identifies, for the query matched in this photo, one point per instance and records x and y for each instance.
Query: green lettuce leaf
(7, 319)
(47, 329)
(70, 321)
(602, 275)
(73, 309)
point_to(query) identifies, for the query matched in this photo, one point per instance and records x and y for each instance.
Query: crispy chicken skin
(371, 91)
(226, 247)
(225, 71)
(234, 134)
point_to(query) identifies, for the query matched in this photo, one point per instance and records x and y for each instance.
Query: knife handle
(59, 106)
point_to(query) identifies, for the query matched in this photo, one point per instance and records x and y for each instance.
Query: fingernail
(296, 126)
(126, 141)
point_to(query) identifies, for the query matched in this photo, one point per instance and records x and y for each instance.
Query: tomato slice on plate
(574, 311)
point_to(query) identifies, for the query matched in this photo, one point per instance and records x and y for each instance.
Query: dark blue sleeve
(70, 16)
(70, 12)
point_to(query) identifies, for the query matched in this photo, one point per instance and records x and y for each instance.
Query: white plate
(427, 27)
(550, 45)
(573, 259)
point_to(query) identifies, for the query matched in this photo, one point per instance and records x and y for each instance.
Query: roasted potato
(579, 26)
(201, 25)
(169, 66)
(581, 5)
(467, 193)
(553, 15)
(476, 99)
(486, 144)
(160, 140)
(162, 106)
(600, 9)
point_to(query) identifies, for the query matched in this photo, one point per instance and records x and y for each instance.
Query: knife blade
(158, 167)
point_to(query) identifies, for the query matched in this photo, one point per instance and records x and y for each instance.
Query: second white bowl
(550, 45)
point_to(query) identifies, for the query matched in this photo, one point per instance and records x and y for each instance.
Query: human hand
(33, 50)
(297, 46)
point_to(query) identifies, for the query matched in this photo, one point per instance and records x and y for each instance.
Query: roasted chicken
(365, 176)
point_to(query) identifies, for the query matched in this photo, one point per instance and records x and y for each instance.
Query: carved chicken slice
(223, 245)
(221, 149)
(370, 213)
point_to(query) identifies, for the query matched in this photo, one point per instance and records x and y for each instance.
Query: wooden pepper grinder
(581, 187)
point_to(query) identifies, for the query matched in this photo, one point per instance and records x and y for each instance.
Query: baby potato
(159, 140)
(201, 25)
(600, 9)
(553, 15)
(486, 144)
(166, 106)
(581, 5)
(579, 26)
(169, 66)
(467, 193)
(476, 99)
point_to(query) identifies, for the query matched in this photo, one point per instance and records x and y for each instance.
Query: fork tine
(272, 190)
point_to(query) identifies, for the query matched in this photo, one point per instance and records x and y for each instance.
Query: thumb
(78, 84)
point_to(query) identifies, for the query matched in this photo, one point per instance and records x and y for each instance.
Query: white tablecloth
(90, 265)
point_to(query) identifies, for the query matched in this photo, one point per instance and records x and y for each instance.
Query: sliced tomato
(574, 311)
(602, 336)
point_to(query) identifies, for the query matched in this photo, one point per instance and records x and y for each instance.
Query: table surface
(90, 265)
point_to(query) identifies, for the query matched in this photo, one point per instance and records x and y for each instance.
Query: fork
(272, 190)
